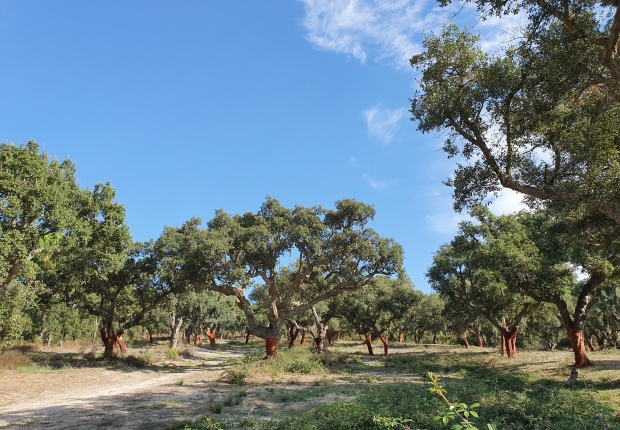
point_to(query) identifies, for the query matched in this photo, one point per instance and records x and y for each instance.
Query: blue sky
(187, 107)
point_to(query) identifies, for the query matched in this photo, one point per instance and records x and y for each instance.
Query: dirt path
(152, 398)
(124, 398)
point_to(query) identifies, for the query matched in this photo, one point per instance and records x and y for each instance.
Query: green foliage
(205, 423)
(540, 116)
(378, 308)
(235, 376)
(172, 353)
(337, 253)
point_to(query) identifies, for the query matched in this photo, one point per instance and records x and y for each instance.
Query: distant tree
(483, 269)
(335, 253)
(375, 310)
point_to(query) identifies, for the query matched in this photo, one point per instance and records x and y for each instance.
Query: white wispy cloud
(382, 29)
(392, 30)
(383, 123)
(378, 184)
(353, 161)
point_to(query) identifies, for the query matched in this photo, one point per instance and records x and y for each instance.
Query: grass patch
(13, 360)
(172, 353)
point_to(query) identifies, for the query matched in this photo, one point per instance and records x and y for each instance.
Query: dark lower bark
(211, 336)
(292, 335)
(434, 339)
(385, 345)
(247, 337)
(110, 338)
(509, 342)
(463, 337)
(331, 335)
(303, 338)
(271, 346)
(368, 339)
(579, 348)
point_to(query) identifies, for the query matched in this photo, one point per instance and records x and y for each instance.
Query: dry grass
(12, 360)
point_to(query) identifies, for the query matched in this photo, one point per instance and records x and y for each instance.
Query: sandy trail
(124, 398)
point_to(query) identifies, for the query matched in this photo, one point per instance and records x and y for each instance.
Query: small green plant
(217, 408)
(460, 410)
(180, 382)
(235, 376)
(172, 353)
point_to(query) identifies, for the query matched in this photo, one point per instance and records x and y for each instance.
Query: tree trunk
(110, 338)
(331, 335)
(590, 345)
(271, 346)
(463, 337)
(303, 338)
(579, 348)
(211, 336)
(196, 339)
(434, 339)
(479, 341)
(368, 338)
(292, 335)
(401, 337)
(247, 337)
(175, 326)
(385, 345)
(509, 341)
(551, 345)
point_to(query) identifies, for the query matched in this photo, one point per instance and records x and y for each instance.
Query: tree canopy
(540, 116)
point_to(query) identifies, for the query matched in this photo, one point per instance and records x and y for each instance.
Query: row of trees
(63, 245)
(70, 269)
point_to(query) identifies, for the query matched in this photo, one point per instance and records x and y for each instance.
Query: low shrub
(12, 360)
(172, 353)
(236, 376)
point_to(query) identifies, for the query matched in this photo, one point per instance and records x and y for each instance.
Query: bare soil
(157, 396)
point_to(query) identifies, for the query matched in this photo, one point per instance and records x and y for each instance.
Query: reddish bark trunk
(464, 342)
(211, 336)
(480, 341)
(331, 335)
(338, 334)
(271, 346)
(247, 337)
(509, 342)
(110, 338)
(579, 348)
(385, 345)
(292, 335)
(196, 339)
(303, 338)
(368, 338)
(434, 339)
(401, 337)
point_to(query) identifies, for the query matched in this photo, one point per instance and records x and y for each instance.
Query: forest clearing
(343, 388)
